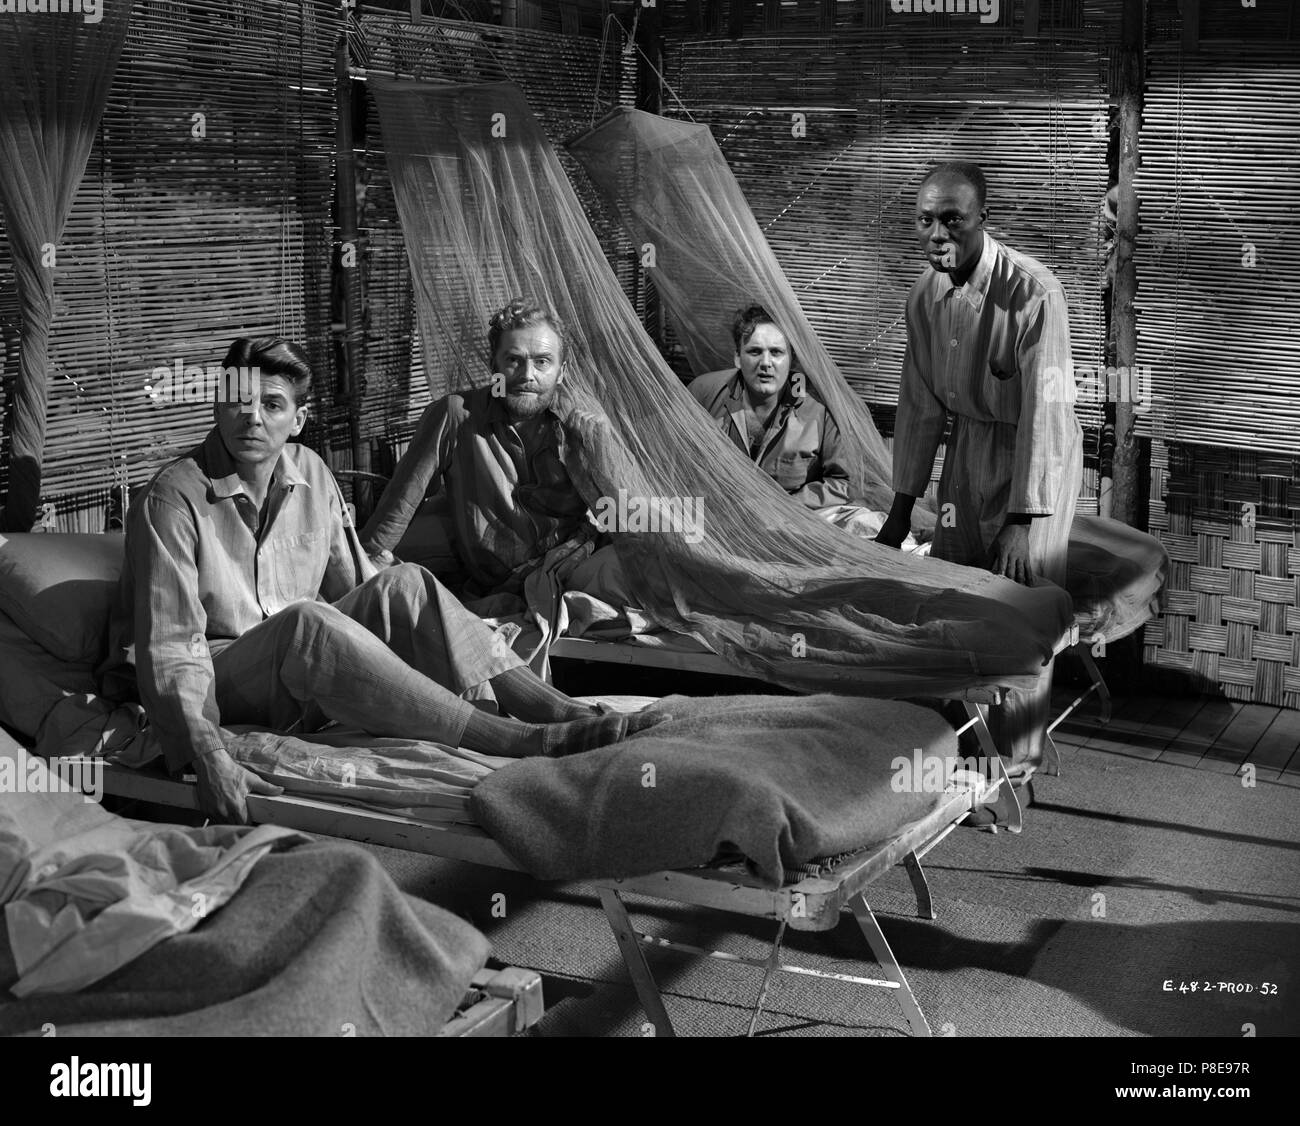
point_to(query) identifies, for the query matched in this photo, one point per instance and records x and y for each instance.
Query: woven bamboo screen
(1220, 159)
(568, 81)
(829, 136)
(204, 215)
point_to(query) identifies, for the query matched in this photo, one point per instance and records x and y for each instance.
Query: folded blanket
(780, 779)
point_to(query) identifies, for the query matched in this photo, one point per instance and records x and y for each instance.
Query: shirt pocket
(792, 469)
(298, 565)
(1002, 386)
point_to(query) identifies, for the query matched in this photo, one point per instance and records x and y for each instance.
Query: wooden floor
(1195, 731)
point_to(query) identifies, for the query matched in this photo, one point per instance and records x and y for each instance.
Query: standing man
(988, 342)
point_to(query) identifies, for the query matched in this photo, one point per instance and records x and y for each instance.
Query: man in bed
(498, 454)
(988, 343)
(245, 599)
(771, 411)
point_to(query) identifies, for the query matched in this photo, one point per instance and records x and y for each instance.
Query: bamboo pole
(1124, 489)
(353, 384)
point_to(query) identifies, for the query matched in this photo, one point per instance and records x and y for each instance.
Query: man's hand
(224, 787)
(893, 532)
(1009, 554)
(382, 559)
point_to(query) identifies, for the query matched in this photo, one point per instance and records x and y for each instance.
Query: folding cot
(812, 903)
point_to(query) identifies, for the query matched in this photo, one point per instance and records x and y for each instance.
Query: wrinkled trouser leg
(336, 661)
(426, 625)
(1019, 724)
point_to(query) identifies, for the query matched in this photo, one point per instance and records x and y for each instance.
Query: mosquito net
(488, 214)
(678, 199)
(671, 187)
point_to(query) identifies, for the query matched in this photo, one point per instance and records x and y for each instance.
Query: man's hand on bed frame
(224, 787)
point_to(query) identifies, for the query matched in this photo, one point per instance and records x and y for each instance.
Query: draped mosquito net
(674, 192)
(55, 73)
(488, 214)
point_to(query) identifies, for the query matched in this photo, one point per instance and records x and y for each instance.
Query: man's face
(532, 361)
(764, 362)
(256, 432)
(950, 224)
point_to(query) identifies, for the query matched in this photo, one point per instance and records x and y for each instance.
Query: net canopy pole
(1124, 487)
(55, 72)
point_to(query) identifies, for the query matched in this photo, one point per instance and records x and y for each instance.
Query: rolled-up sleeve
(1046, 424)
(921, 415)
(173, 664)
(423, 464)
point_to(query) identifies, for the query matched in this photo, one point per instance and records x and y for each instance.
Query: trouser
(393, 657)
(1019, 724)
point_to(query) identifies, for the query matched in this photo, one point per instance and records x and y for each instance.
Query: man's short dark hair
(748, 319)
(524, 313)
(273, 355)
(973, 174)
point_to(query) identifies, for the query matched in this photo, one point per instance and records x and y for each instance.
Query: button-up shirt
(995, 353)
(800, 448)
(199, 574)
(510, 501)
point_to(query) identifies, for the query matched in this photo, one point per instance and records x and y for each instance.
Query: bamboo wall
(187, 231)
(829, 115)
(1220, 191)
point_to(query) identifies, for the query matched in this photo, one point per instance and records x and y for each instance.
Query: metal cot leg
(880, 948)
(638, 969)
(920, 886)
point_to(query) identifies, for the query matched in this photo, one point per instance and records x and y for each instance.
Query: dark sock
(562, 739)
(526, 696)
(500, 735)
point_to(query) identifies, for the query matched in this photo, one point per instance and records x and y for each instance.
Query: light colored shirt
(198, 574)
(510, 502)
(995, 354)
(800, 447)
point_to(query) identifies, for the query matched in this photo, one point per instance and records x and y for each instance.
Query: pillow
(59, 589)
(32, 681)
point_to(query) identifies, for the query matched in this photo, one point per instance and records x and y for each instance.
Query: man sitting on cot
(245, 600)
(498, 454)
(988, 343)
(769, 408)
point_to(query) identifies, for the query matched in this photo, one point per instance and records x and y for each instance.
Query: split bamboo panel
(204, 215)
(830, 136)
(1220, 198)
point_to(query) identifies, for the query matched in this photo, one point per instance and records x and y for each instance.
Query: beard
(524, 406)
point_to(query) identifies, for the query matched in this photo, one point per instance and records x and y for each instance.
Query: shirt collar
(977, 285)
(223, 477)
